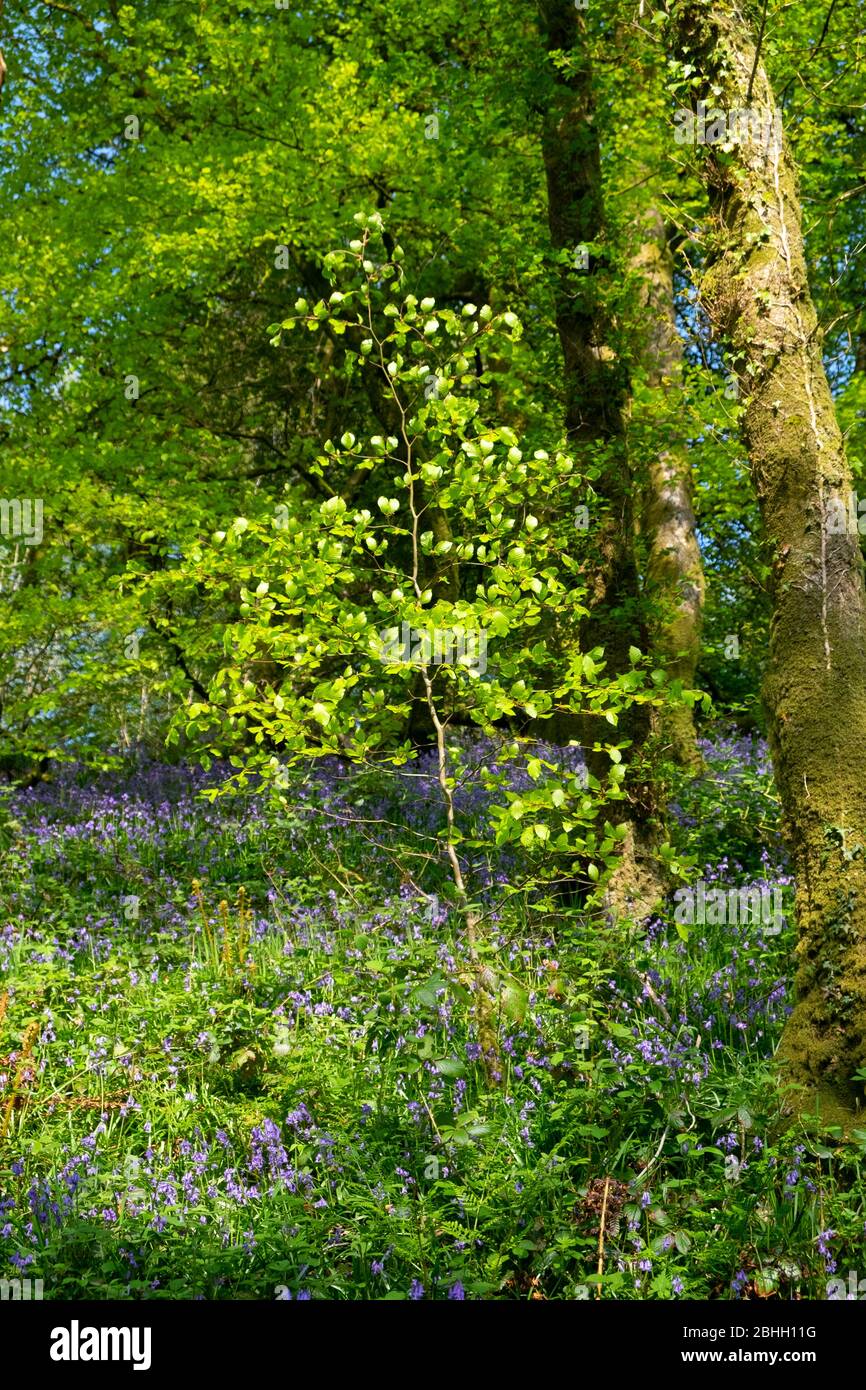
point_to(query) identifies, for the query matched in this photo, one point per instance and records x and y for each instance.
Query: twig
(600, 1269)
(657, 1155)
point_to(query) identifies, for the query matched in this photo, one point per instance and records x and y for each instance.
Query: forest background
(433, 671)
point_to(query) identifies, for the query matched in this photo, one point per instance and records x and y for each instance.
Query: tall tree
(755, 290)
(595, 405)
(139, 395)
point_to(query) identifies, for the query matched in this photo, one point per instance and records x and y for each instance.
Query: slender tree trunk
(674, 575)
(757, 296)
(595, 394)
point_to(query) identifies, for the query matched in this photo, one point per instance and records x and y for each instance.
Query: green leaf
(450, 1066)
(515, 1002)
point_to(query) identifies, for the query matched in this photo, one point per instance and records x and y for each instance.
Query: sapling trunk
(673, 565)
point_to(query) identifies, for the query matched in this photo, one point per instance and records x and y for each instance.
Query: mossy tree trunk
(595, 401)
(756, 294)
(674, 574)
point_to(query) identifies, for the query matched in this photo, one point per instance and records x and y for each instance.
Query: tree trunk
(757, 297)
(595, 395)
(675, 577)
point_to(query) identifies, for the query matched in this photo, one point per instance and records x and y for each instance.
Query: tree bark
(757, 296)
(595, 402)
(674, 574)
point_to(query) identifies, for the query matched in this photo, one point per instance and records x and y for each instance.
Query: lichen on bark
(756, 293)
(674, 575)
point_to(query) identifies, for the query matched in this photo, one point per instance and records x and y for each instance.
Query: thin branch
(757, 53)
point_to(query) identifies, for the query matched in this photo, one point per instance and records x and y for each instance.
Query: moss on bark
(757, 296)
(595, 400)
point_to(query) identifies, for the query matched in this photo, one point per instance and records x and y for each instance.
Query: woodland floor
(285, 1098)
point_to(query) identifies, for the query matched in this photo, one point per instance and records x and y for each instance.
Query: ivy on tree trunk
(755, 291)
